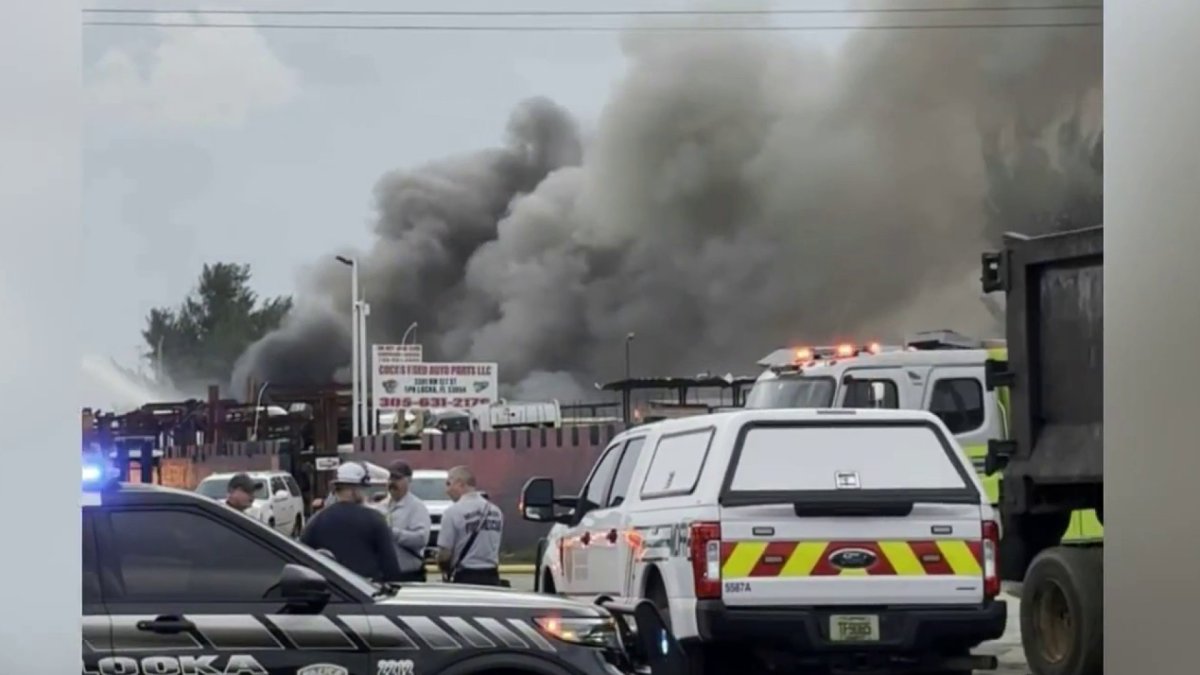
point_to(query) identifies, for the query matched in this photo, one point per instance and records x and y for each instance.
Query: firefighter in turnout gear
(472, 528)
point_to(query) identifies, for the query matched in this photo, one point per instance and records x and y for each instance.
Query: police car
(788, 539)
(176, 584)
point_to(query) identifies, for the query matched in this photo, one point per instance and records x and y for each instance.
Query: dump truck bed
(1055, 320)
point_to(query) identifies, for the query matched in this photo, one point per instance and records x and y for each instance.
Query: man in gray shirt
(469, 542)
(409, 520)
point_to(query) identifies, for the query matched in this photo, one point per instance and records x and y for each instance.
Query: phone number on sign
(431, 402)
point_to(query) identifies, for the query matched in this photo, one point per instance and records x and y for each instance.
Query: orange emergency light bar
(842, 351)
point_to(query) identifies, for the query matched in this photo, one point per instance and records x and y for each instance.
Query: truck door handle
(612, 536)
(586, 538)
(167, 625)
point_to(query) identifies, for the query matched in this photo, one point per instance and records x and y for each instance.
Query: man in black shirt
(356, 534)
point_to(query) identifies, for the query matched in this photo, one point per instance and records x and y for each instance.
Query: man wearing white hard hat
(357, 535)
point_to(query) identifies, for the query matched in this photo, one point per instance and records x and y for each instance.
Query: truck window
(597, 487)
(860, 393)
(869, 456)
(178, 556)
(792, 392)
(676, 464)
(958, 402)
(629, 460)
(452, 423)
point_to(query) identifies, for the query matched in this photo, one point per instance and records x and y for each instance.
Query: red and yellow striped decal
(946, 557)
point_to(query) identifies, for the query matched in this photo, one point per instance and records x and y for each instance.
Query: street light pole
(355, 409)
(364, 310)
(628, 386)
(257, 407)
(410, 329)
(628, 341)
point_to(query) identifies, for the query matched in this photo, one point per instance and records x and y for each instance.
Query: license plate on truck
(854, 628)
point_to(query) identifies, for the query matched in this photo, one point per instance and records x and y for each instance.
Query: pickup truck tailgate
(850, 514)
(783, 559)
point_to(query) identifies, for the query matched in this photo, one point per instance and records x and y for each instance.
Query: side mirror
(303, 589)
(282, 495)
(537, 500)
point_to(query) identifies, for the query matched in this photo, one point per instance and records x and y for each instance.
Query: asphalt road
(1007, 648)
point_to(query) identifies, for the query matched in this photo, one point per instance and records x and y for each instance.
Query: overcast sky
(262, 146)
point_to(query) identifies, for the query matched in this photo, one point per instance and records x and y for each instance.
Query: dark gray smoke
(740, 194)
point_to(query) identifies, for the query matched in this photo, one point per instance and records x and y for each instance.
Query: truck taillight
(991, 545)
(706, 559)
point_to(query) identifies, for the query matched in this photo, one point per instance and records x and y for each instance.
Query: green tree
(200, 341)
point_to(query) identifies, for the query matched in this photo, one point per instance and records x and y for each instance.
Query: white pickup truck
(811, 540)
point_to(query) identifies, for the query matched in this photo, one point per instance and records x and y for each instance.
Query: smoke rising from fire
(740, 193)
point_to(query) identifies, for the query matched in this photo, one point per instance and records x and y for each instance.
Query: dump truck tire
(1062, 612)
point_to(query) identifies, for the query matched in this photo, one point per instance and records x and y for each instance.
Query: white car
(429, 485)
(277, 499)
(788, 540)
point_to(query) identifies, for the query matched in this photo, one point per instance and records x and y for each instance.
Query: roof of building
(712, 381)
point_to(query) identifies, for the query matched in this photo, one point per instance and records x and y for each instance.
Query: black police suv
(177, 584)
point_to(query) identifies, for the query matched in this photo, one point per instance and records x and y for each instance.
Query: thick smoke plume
(739, 194)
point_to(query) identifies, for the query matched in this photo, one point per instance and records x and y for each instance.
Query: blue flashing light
(92, 474)
(97, 471)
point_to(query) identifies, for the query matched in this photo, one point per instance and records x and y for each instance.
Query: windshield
(362, 584)
(218, 488)
(429, 489)
(451, 424)
(792, 392)
(213, 489)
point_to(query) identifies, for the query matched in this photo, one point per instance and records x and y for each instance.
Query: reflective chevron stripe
(746, 559)
(240, 632)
